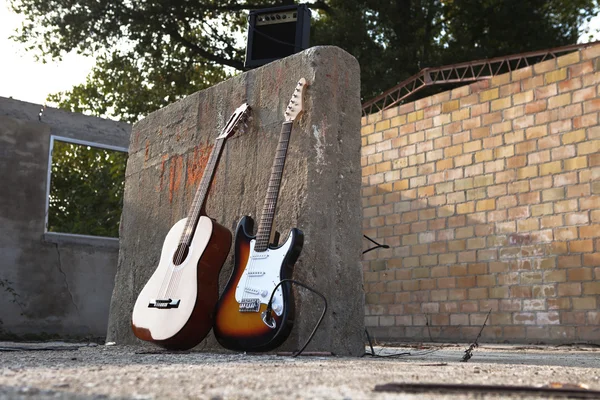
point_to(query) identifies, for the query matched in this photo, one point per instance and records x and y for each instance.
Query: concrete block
(320, 193)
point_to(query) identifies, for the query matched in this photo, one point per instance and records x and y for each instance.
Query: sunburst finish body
(246, 330)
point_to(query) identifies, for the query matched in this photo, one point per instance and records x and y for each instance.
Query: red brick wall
(489, 198)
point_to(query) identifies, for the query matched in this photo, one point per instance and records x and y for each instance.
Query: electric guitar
(242, 320)
(175, 308)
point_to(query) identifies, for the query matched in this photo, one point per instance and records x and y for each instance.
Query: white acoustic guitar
(175, 308)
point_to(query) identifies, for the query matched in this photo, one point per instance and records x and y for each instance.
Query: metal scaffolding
(465, 72)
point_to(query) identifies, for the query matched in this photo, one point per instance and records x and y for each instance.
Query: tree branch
(202, 52)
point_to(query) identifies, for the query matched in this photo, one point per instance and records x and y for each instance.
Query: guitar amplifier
(275, 33)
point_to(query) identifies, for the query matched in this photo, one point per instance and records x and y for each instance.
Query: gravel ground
(70, 371)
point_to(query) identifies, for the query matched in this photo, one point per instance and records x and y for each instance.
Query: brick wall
(489, 198)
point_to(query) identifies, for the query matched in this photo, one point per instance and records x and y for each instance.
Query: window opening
(85, 189)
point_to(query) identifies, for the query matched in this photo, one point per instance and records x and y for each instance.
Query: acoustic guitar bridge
(164, 303)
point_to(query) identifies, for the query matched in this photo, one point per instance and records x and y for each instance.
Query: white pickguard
(165, 323)
(261, 275)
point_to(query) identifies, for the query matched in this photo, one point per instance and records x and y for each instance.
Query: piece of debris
(307, 353)
(452, 388)
(558, 385)
(160, 351)
(469, 351)
(46, 346)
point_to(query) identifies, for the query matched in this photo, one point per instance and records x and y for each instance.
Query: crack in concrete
(69, 289)
(65, 279)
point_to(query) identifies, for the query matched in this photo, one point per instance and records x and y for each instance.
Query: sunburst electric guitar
(175, 309)
(241, 319)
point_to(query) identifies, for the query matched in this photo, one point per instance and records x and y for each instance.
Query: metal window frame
(49, 177)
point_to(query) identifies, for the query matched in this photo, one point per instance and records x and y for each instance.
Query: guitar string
(270, 202)
(184, 239)
(258, 242)
(189, 236)
(196, 210)
(186, 234)
(251, 264)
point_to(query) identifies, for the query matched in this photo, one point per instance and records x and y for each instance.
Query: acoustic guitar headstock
(296, 105)
(236, 122)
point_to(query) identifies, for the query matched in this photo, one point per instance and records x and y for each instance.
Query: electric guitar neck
(242, 321)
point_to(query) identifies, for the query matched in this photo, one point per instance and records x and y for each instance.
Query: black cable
(370, 344)
(408, 354)
(377, 245)
(269, 309)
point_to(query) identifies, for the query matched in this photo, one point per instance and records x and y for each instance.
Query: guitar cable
(269, 310)
(403, 354)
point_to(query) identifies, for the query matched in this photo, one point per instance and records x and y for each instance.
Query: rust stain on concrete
(164, 160)
(196, 163)
(175, 174)
(147, 153)
(136, 140)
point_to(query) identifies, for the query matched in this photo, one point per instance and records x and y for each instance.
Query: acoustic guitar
(175, 308)
(242, 320)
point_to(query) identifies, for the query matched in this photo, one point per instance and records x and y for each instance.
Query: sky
(22, 78)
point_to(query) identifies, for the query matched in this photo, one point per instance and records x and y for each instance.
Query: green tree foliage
(394, 40)
(86, 190)
(153, 52)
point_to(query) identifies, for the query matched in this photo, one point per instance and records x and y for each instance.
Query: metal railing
(465, 72)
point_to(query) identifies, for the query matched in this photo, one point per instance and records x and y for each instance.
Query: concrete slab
(320, 191)
(131, 372)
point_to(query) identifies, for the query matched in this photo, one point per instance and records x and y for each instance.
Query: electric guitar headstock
(237, 120)
(296, 105)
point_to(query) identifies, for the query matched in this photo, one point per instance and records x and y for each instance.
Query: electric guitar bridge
(250, 305)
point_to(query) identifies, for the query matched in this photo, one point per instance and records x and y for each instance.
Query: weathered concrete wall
(489, 198)
(64, 282)
(320, 192)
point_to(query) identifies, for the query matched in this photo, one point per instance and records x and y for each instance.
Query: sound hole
(181, 253)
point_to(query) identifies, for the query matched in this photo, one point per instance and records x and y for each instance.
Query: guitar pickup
(164, 303)
(250, 305)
